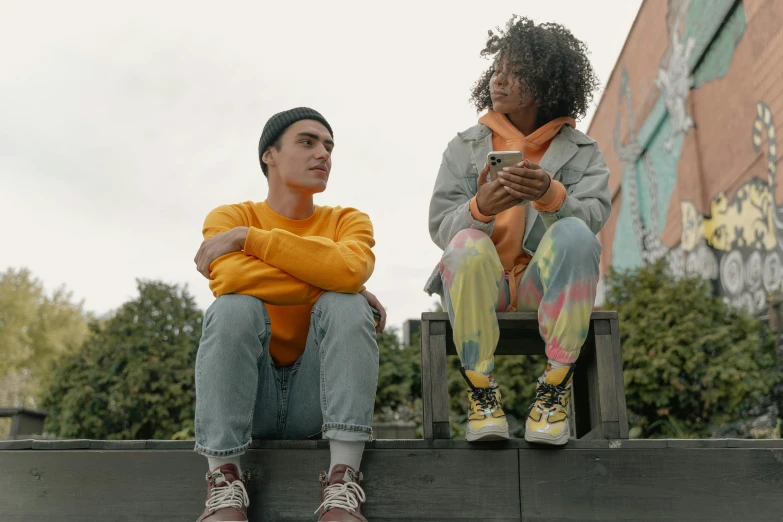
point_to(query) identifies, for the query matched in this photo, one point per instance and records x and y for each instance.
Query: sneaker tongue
(556, 377)
(342, 474)
(478, 380)
(225, 475)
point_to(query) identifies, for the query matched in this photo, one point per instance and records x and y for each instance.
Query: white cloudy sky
(123, 123)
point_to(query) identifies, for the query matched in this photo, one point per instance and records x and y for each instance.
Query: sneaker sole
(543, 438)
(488, 433)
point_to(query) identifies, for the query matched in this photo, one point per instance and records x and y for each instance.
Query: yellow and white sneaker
(547, 421)
(486, 420)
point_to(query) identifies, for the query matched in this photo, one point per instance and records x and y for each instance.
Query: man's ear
(268, 157)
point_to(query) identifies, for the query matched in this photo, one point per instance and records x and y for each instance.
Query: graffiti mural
(745, 230)
(737, 242)
(675, 80)
(645, 223)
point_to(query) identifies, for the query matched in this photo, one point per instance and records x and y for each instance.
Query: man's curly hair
(549, 61)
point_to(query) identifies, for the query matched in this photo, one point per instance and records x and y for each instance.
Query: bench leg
(439, 379)
(426, 380)
(606, 376)
(619, 381)
(581, 408)
(434, 383)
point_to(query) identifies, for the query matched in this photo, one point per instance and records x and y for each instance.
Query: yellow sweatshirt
(509, 227)
(289, 263)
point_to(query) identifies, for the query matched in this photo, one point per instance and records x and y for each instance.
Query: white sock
(216, 462)
(554, 365)
(347, 453)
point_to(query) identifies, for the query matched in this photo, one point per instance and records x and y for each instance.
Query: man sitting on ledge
(288, 349)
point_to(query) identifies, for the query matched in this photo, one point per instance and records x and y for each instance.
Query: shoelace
(549, 394)
(232, 496)
(486, 398)
(346, 496)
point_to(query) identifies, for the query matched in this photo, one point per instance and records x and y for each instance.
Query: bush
(398, 399)
(133, 379)
(691, 363)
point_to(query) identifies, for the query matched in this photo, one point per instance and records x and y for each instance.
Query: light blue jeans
(328, 392)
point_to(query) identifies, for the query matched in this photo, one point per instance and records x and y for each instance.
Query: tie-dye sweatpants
(560, 283)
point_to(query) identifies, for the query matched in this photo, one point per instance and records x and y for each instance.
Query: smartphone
(502, 158)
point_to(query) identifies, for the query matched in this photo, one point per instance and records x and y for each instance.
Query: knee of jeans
(469, 242)
(574, 238)
(347, 308)
(236, 311)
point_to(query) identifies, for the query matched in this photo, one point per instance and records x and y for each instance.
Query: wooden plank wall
(714, 480)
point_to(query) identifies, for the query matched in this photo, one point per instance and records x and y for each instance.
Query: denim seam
(319, 313)
(324, 409)
(259, 360)
(324, 404)
(346, 427)
(283, 408)
(196, 418)
(249, 426)
(263, 338)
(221, 453)
(294, 367)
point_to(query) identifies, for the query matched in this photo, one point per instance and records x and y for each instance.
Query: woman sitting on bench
(501, 253)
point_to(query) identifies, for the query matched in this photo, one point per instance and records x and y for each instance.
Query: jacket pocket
(570, 176)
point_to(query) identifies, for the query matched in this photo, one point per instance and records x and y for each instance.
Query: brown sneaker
(342, 496)
(227, 498)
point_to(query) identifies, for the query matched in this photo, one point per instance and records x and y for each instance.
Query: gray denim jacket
(572, 158)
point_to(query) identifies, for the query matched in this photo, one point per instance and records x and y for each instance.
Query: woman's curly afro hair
(549, 61)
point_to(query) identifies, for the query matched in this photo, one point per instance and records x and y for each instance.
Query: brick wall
(717, 153)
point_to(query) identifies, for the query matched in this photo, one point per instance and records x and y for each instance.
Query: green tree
(133, 379)
(35, 330)
(691, 363)
(398, 398)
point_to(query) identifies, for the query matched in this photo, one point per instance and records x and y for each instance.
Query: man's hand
(373, 301)
(219, 245)
(525, 181)
(492, 197)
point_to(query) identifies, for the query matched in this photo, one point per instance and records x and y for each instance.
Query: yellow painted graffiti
(745, 221)
(749, 218)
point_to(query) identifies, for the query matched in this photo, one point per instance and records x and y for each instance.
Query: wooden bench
(24, 423)
(598, 395)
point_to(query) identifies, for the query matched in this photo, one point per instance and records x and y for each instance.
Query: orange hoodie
(288, 263)
(509, 227)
